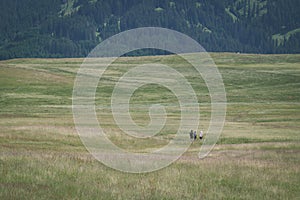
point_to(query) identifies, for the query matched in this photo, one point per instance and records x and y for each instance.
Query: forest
(72, 28)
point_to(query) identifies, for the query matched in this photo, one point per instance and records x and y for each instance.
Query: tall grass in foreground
(257, 156)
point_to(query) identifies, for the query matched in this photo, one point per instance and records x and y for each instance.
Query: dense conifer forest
(71, 28)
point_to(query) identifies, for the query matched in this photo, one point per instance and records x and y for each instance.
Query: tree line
(71, 28)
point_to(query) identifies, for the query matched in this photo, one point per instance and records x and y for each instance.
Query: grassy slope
(257, 156)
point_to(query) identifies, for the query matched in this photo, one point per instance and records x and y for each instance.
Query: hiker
(191, 134)
(195, 135)
(201, 135)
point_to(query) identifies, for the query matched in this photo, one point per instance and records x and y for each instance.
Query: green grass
(256, 157)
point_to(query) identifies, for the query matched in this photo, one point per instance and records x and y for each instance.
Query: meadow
(256, 157)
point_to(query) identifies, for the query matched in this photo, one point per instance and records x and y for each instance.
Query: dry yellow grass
(257, 155)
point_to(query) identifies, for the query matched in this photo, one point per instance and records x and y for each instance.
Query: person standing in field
(195, 135)
(191, 134)
(201, 135)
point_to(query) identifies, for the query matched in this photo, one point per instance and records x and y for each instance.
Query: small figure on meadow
(201, 135)
(191, 134)
(195, 135)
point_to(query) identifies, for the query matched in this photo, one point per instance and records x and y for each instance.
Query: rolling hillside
(71, 28)
(256, 157)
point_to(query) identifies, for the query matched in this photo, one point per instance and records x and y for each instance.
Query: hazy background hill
(71, 28)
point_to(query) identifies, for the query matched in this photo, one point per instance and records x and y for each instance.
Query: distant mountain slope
(71, 28)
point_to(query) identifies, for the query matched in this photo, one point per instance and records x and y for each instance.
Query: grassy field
(256, 157)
